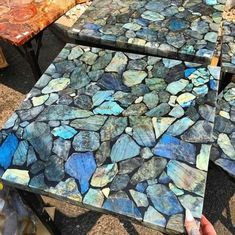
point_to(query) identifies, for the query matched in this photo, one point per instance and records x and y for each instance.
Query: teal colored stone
(56, 85)
(180, 126)
(192, 203)
(21, 153)
(11, 121)
(93, 123)
(177, 86)
(83, 102)
(64, 131)
(79, 77)
(102, 96)
(102, 62)
(38, 182)
(140, 199)
(89, 57)
(163, 199)
(201, 90)
(75, 53)
(177, 112)
(31, 156)
(151, 100)
(200, 77)
(113, 127)
(132, 26)
(152, 16)
(156, 84)
(211, 37)
(153, 217)
(86, 141)
(124, 148)
(94, 197)
(170, 63)
(62, 112)
(108, 108)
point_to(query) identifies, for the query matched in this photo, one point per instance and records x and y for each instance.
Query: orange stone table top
(20, 20)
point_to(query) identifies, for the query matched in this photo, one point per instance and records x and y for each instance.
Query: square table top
(20, 22)
(184, 30)
(223, 150)
(228, 47)
(122, 133)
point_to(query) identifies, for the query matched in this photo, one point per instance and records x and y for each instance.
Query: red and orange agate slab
(20, 20)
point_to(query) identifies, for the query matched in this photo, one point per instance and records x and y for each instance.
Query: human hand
(206, 228)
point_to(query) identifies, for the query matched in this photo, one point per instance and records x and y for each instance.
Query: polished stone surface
(228, 47)
(184, 30)
(130, 155)
(22, 20)
(223, 150)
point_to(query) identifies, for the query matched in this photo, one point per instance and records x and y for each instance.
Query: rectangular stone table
(121, 133)
(223, 150)
(181, 30)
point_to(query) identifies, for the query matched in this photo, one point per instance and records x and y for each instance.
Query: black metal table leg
(36, 203)
(31, 55)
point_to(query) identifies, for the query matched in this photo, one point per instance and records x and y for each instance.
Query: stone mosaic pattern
(228, 47)
(223, 150)
(118, 132)
(70, 17)
(184, 30)
(21, 20)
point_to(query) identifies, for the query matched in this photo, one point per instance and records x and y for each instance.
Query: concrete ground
(17, 80)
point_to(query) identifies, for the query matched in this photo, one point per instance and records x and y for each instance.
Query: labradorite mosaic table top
(123, 133)
(228, 47)
(21, 20)
(184, 30)
(223, 150)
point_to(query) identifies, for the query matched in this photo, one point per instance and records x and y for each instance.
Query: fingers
(190, 224)
(206, 227)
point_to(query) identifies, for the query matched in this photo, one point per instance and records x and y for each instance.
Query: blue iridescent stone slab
(123, 133)
(173, 29)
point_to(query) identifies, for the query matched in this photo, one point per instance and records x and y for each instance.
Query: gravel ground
(17, 80)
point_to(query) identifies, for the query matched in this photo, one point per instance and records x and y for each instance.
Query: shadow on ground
(17, 80)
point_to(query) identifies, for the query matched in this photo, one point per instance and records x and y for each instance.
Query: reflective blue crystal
(20, 155)
(164, 178)
(163, 199)
(177, 24)
(173, 148)
(120, 203)
(109, 108)
(140, 187)
(101, 96)
(7, 150)
(188, 72)
(81, 166)
(65, 132)
(213, 84)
